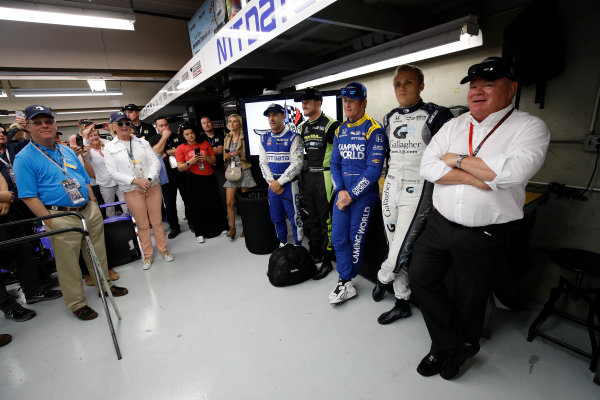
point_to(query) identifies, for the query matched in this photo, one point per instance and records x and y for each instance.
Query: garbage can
(259, 231)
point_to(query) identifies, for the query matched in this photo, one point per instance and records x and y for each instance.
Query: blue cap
(117, 116)
(278, 108)
(355, 90)
(35, 110)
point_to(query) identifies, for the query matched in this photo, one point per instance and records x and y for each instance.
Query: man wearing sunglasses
(406, 197)
(50, 179)
(356, 162)
(480, 162)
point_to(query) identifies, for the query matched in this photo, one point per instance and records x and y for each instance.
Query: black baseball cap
(131, 107)
(36, 110)
(309, 94)
(85, 122)
(278, 108)
(491, 68)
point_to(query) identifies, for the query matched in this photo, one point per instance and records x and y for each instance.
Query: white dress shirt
(515, 152)
(102, 176)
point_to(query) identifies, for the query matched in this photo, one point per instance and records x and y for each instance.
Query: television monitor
(255, 123)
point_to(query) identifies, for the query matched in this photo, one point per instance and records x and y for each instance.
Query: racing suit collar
(358, 121)
(283, 132)
(312, 121)
(407, 110)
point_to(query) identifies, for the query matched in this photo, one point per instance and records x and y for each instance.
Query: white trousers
(108, 194)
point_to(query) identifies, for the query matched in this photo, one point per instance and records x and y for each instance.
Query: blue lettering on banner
(256, 20)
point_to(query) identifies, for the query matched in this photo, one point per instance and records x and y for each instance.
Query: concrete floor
(209, 326)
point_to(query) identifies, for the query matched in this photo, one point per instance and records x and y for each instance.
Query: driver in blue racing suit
(356, 162)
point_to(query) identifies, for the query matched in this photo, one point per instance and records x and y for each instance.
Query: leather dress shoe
(174, 232)
(379, 290)
(116, 291)
(401, 310)
(324, 270)
(85, 313)
(456, 359)
(432, 363)
(5, 339)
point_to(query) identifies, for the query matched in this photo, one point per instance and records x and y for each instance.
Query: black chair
(584, 264)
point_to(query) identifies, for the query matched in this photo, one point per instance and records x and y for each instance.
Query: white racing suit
(406, 198)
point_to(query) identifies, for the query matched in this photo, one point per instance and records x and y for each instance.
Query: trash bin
(259, 231)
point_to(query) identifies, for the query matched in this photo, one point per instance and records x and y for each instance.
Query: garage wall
(568, 111)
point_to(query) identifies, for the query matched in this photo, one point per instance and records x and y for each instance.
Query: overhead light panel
(63, 92)
(86, 17)
(97, 85)
(2, 93)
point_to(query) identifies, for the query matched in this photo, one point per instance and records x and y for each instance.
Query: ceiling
(344, 28)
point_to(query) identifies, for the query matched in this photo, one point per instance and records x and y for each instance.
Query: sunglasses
(487, 69)
(352, 91)
(126, 123)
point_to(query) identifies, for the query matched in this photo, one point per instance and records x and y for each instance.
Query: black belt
(316, 169)
(480, 228)
(61, 208)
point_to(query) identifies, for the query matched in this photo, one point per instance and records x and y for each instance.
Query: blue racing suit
(356, 162)
(280, 157)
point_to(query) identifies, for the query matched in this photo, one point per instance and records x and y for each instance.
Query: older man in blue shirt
(51, 179)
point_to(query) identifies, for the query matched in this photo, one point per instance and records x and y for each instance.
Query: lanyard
(474, 153)
(9, 163)
(61, 166)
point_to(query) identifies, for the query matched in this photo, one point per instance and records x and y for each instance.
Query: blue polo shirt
(39, 177)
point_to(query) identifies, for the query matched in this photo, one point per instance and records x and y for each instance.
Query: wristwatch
(150, 179)
(459, 159)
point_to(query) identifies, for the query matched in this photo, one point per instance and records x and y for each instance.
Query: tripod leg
(103, 286)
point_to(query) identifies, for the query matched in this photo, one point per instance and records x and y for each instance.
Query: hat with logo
(131, 107)
(36, 110)
(309, 94)
(354, 90)
(277, 108)
(117, 116)
(491, 68)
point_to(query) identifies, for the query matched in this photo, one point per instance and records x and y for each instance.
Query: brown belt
(60, 208)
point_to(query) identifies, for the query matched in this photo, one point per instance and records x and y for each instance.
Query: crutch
(101, 280)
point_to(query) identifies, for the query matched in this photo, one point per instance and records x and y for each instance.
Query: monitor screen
(255, 123)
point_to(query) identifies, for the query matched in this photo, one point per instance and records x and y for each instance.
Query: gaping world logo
(293, 119)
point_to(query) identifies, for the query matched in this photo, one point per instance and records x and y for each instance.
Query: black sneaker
(173, 233)
(42, 295)
(401, 310)
(18, 313)
(379, 290)
(456, 359)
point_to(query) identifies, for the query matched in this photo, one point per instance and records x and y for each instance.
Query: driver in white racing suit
(406, 197)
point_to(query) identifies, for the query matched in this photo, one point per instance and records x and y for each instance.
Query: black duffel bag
(290, 265)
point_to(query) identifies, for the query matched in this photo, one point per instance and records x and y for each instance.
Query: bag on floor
(290, 265)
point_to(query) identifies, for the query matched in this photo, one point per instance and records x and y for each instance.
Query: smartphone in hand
(79, 140)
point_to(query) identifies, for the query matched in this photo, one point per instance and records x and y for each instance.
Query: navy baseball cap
(491, 68)
(278, 108)
(354, 90)
(117, 116)
(35, 110)
(131, 107)
(309, 94)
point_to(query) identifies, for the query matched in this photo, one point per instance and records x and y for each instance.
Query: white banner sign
(256, 24)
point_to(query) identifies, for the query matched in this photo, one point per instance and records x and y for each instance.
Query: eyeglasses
(126, 123)
(479, 69)
(40, 122)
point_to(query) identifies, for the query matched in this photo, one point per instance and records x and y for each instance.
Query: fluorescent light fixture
(67, 15)
(2, 93)
(63, 92)
(97, 85)
(466, 41)
(88, 112)
(187, 84)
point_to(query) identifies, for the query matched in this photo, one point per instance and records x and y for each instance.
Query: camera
(99, 126)
(79, 140)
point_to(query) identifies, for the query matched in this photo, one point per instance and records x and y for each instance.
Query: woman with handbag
(202, 202)
(132, 164)
(237, 173)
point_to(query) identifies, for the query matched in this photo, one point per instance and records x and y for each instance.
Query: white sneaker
(342, 292)
(147, 263)
(282, 244)
(200, 239)
(168, 257)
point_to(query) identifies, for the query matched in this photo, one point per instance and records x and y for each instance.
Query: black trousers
(318, 198)
(447, 254)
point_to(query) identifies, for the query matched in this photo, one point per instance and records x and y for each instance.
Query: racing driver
(406, 197)
(356, 162)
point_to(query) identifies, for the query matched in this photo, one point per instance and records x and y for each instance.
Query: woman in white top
(94, 158)
(132, 164)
